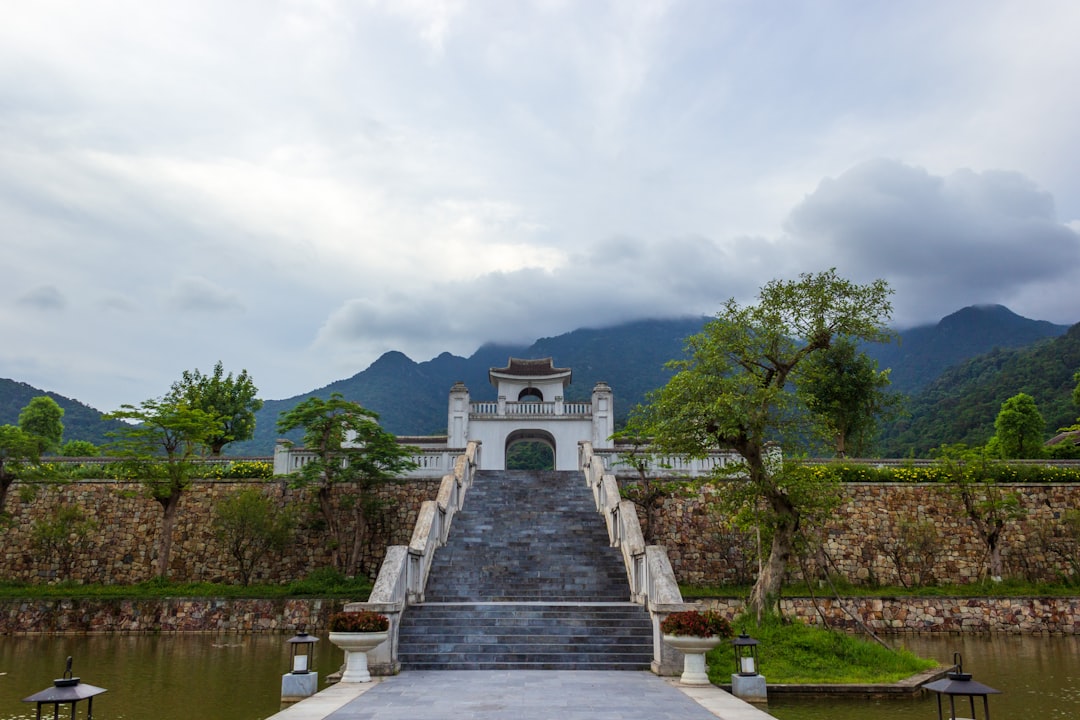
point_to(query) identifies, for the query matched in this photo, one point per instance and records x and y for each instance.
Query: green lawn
(799, 653)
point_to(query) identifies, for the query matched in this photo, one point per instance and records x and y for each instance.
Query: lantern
(745, 655)
(959, 683)
(66, 691)
(301, 647)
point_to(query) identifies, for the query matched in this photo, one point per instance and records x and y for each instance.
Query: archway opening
(530, 450)
(530, 395)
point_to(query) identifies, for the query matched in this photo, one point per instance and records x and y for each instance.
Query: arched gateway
(530, 405)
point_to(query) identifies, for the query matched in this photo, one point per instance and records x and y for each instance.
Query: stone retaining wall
(1025, 615)
(874, 525)
(165, 615)
(863, 539)
(123, 545)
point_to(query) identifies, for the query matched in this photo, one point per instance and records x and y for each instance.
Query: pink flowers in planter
(692, 623)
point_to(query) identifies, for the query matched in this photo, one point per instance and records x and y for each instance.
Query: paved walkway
(521, 695)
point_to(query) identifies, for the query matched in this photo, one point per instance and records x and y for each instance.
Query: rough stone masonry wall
(871, 519)
(1018, 615)
(702, 550)
(123, 547)
(234, 615)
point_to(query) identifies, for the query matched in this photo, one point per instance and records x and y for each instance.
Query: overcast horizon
(297, 187)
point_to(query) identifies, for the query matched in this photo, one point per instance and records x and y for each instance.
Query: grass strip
(792, 652)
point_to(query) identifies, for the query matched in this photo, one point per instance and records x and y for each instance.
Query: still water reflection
(1039, 678)
(231, 677)
(166, 677)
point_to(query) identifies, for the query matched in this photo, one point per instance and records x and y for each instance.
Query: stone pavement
(521, 695)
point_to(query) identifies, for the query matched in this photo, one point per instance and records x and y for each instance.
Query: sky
(295, 188)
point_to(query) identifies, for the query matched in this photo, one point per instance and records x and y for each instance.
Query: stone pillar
(603, 417)
(457, 422)
(281, 457)
(751, 688)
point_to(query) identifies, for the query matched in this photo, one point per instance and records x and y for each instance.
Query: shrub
(359, 621)
(696, 624)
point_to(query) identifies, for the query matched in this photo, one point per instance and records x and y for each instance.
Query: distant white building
(531, 408)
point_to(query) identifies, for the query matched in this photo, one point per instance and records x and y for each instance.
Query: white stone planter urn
(693, 650)
(356, 646)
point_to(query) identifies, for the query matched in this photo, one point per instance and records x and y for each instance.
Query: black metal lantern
(959, 683)
(301, 647)
(66, 691)
(745, 655)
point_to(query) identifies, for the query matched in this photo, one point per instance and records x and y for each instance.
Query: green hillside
(81, 422)
(950, 404)
(962, 403)
(923, 353)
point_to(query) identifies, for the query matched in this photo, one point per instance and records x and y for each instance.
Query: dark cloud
(197, 294)
(44, 297)
(943, 242)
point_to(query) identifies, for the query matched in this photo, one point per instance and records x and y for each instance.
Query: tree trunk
(771, 578)
(997, 566)
(169, 506)
(360, 529)
(333, 528)
(5, 483)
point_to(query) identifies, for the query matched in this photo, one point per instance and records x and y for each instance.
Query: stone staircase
(526, 581)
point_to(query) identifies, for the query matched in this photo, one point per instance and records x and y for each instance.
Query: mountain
(81, 422)
(962, 403)
(411, 397)
(922, 353)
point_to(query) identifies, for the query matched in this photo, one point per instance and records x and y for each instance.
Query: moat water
(231, 677)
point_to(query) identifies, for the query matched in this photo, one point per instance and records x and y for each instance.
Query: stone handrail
(404, 571)
(517, 408)
(668, 465)
(648, 569)
(430, 462)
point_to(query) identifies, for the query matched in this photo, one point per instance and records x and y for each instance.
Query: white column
(457, 423)
(603, 416)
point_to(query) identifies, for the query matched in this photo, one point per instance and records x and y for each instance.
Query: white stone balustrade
(430, 462)
(404, 571)
(648, 568)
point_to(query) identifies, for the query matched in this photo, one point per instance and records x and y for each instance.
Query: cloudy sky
(297, 187)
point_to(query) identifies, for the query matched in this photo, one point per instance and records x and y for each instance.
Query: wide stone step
(527, 580)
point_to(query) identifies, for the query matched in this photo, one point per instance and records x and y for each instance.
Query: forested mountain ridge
(81, 422)
(962, 403)
(411, 397)
(921, 354)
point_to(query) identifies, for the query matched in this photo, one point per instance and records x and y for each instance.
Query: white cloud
(299, 187)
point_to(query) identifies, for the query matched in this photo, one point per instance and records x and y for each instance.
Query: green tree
(734, 391)
(250, 525)
(19, 453)
(42, 418)
(162, 448)
(847, 391)
(350, 447)
(971, 473)
(1020, 428)
(62, 536)
(230, 399)
(79, 448)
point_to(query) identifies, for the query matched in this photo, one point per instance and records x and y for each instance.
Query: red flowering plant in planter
(359, 621)
(692, 623)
